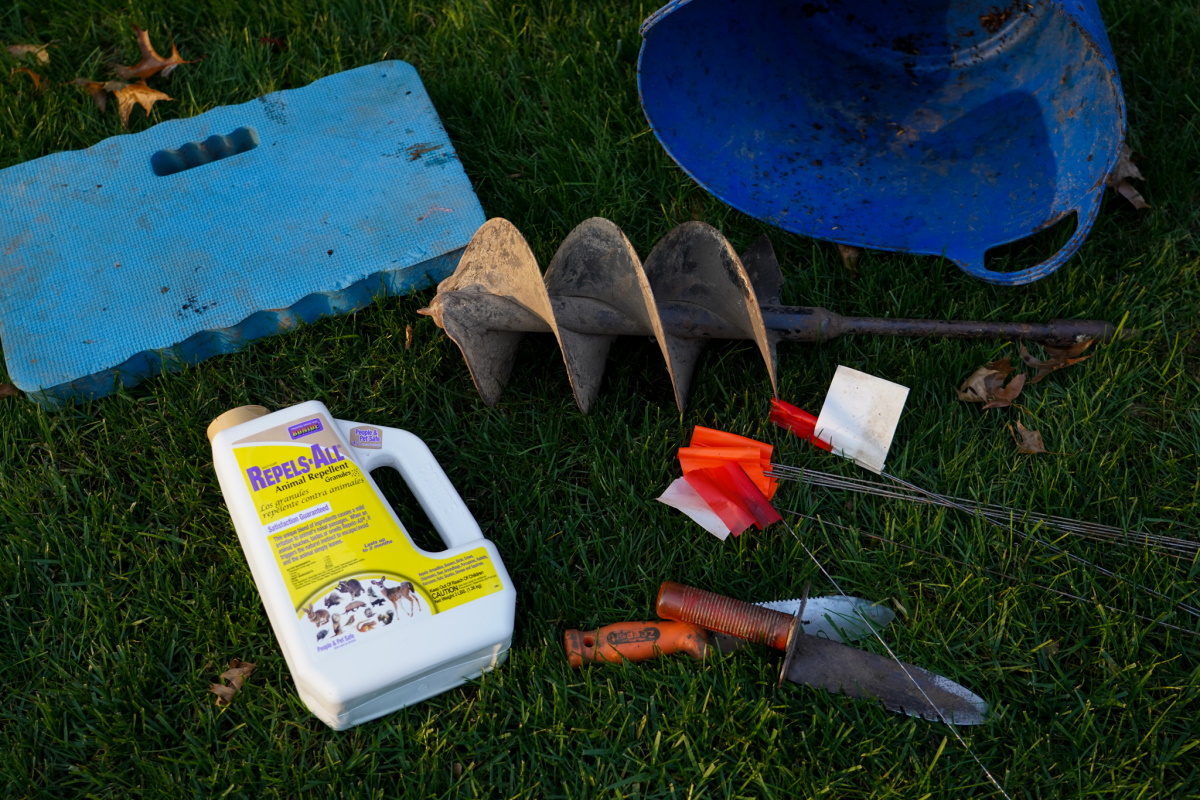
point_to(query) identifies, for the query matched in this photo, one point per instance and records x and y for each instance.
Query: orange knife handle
(634, 641)
(716, 612)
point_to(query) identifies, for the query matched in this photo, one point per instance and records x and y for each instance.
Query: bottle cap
(235, 416)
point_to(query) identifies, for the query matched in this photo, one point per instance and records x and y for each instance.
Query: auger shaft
(801, 324)
(692, 288)
(788, 323)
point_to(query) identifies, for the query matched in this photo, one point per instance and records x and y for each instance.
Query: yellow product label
(350, 569)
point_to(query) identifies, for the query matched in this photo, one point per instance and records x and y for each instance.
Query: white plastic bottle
(368, 622)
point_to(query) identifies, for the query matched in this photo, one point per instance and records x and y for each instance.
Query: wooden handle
(634, 641)
(716, 612)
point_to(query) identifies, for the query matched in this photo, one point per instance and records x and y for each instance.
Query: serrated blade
(832, 617)
(838, 618)
(841, 669)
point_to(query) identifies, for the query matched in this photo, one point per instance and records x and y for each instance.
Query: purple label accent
(302, 429)
(371, 438)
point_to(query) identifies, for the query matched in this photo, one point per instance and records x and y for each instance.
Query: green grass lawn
(125, 592)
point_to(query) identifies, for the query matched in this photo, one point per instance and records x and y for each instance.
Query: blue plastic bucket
(945, 127)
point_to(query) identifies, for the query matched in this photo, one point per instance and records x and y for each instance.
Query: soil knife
(836, 617)
(825, 664)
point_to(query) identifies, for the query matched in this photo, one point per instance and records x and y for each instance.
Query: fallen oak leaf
(1060, 358)
(98, 90)
(9, 390)
(38, 51)
(1028, 441)
(979, 385)
(1004, 396)
(1003, 366)
(1119, 178)
(238, 672)
(986, 385)
(39, 83)
(236, 675)
(850, 255)
(139, 94)
(224, 693)
(152, 63)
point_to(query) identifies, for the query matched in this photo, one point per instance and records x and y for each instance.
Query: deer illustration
(404, 591)
(318, 617)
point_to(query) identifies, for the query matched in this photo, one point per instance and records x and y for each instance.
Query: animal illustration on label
(319, 617)
(351, 587)
(404, 591)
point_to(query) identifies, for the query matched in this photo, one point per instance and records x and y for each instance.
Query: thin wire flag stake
(858, 420)
(1167, 545)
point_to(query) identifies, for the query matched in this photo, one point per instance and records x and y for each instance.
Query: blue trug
(942, 127)
(169, 246)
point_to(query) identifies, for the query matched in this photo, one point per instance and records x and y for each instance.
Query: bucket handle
(973, 264)
(408, 455)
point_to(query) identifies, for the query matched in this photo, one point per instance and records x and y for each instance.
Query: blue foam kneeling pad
(190, 238)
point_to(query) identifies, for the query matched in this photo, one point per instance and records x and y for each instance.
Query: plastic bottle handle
(409, 456)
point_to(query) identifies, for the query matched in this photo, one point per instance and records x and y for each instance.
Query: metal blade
(836, 617)
(862, 675)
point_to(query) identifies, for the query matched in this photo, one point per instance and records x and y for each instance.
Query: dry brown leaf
(983, 384)
(1119, 179)
(139, 94)
(1004, 396)
(38, 51)
(9, 390)
(1003, 366)
(98, 90)
(1060, 358)
(238, 672)
(408, 337)
(1029, 441)
(979, 384)
(850, 254)
(224, 693)
(986, 385)
(39, 83)
(236, 675)
(152, 63)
